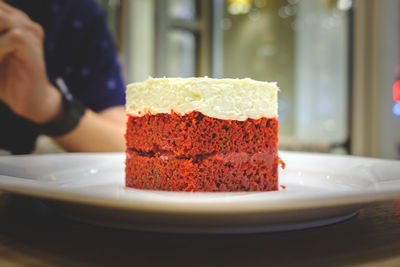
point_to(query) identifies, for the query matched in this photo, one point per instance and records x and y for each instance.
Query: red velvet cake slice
(202, 135)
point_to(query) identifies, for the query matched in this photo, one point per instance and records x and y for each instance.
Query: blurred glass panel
(321, 77)
(181, 47)
(182, 9)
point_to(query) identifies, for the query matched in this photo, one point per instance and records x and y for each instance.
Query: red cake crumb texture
(197, 153)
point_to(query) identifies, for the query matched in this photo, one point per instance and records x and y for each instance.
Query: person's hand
(24, 85)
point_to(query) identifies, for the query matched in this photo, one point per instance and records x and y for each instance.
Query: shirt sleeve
(96, 81)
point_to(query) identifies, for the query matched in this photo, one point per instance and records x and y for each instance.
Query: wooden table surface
(31, 234)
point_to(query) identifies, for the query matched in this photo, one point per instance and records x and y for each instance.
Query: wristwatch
(68, 119)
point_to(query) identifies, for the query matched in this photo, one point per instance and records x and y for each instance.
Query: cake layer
(196, 134)
(230, 172)
(227, 99)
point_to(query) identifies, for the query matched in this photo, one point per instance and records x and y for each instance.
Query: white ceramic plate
(320, 189)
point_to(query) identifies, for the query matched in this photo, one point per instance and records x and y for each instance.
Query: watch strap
(68, 119)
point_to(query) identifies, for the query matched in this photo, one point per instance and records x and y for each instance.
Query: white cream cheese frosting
(226, 99)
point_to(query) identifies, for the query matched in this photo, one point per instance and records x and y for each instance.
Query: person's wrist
(50, 108)
(66, 116)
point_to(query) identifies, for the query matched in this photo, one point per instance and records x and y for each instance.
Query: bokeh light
(396, 110)
(396, 91)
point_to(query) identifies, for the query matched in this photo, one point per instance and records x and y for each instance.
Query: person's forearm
(94, 133)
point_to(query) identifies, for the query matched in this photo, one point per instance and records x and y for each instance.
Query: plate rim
(18, 186)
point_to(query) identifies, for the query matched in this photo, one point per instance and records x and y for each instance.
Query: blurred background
(336, 61)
